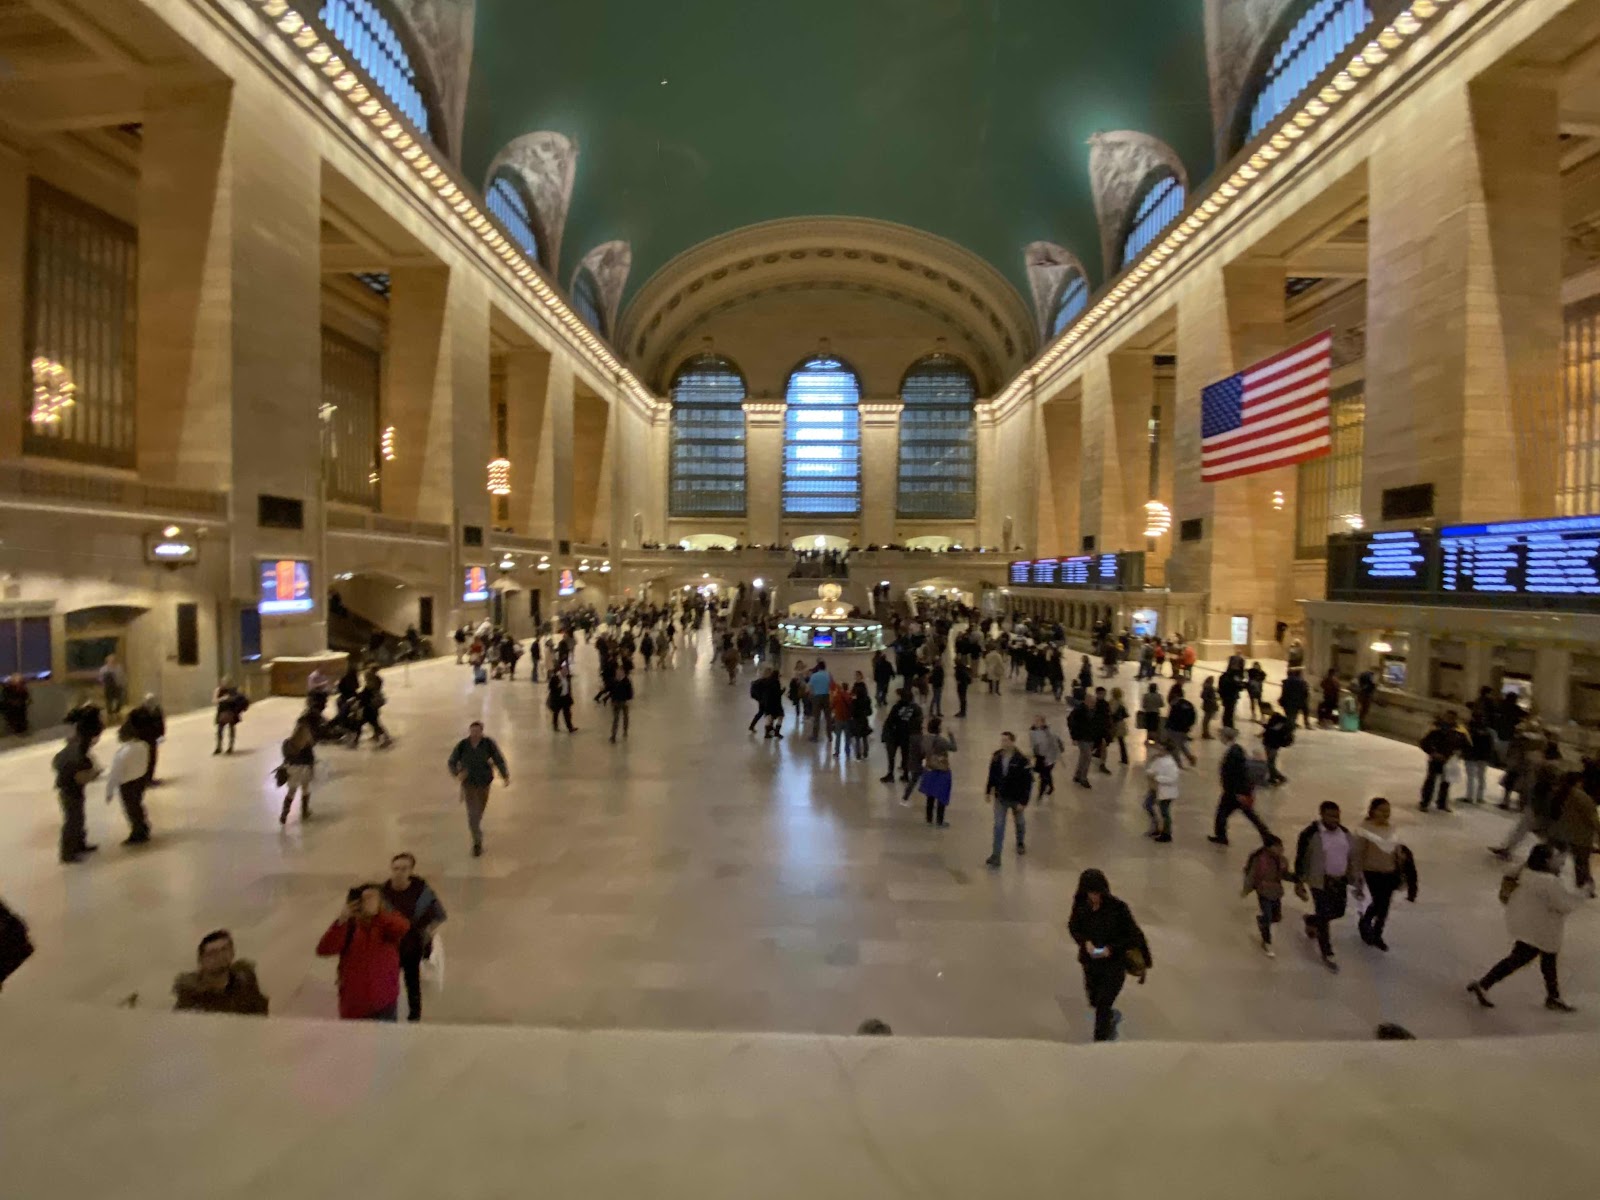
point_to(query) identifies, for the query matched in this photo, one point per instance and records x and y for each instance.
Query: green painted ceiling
(965, 118)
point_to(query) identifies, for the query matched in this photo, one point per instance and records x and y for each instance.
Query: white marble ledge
(133, 1105)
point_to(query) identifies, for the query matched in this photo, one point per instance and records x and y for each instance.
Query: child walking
(1264, 873)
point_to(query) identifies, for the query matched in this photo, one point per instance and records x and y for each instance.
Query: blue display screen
(1555, 558)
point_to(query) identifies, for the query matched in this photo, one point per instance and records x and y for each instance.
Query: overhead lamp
(386, 444)
(507, 563)
(170, 531)
(500, 477)
(760, 583)
(605, 567)
(1277, 501)
(1382, 647)
(1157, 519)
(1355, 521)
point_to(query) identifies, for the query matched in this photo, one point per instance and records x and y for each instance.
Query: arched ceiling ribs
(547, 164)
(1048, 267)
(609, 263)
(1120, 164)
(442, 30)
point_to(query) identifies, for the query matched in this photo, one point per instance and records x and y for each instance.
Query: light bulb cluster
(1246, 177)
(386, 444)
(1157, 519)
(307, 36)
(53, 391)
(500, 477)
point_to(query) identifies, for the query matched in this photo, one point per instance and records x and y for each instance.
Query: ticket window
(1511, 670)
(1447, 678)
(1392, 653)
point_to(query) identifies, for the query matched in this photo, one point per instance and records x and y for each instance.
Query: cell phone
(1098, 952)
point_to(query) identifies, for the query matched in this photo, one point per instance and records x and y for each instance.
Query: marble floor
(695, 877)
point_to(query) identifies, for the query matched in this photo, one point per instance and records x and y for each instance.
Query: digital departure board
(1556, 559)
(1545, 564)
(1098, 572)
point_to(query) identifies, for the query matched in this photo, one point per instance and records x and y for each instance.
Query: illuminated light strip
(1292, 126)
(324, 59)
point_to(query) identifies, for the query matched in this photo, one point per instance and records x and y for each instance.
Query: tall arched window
(364, 29)
(822, 440)
(586, 301)
(510, 204)
(1159, 207)
(1324, 30)
(938, 440)
(707, 477)
(1074, 298)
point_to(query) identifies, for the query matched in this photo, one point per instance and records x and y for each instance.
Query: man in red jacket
(366, 938)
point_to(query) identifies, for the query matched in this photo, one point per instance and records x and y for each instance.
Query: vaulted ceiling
(968, 119)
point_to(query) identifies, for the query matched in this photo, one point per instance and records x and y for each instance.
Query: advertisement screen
(566, 585)
(285, 587)
(476, 586)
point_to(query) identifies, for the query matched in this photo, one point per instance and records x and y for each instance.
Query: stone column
(1464, 311)
(763, 436)
(15, 400)
(1228, 319)
(880, 470)
(591, 500)
(990, 500)
(527, 381)
(418, 484)
(1552, 683)
(1061, 465)
(1117, 394)
(188, 228)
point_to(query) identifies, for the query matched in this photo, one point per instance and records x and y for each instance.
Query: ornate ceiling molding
(1241, 36)
(1048, 266)
(443, 30)
(547, 163)
(610, 264)
(983, 311)
(1119, 164)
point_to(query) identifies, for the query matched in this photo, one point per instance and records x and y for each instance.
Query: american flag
(1273, 415)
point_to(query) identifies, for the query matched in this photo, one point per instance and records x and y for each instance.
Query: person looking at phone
(1110, 947)
(365, 937)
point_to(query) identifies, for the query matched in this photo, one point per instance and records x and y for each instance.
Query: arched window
(707, 478)
(365, 31)
(1323, 32)
(822, 440)
(586, 301)
(510, 205)
(1159, 207)
(938, 440)
(1074, 298)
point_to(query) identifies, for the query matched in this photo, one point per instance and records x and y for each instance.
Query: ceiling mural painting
(970, 120)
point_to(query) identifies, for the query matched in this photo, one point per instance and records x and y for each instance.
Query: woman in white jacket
(1536, 914)
(126, 781)
(1161, 767)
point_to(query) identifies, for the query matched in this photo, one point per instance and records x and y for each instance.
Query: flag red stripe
(1289, 461)
(1275, 443)
(1278, 361)
(1250, 432)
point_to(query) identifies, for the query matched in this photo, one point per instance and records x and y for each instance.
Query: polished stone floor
(698, 878)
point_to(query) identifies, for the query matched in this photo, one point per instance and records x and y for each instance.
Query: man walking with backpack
(1277, 735)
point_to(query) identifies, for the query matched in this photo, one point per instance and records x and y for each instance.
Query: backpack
(755, 690)
(15, 946)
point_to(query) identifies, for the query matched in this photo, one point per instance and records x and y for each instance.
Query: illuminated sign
(1394, 560)
(164, 549)
(566, 584)
(285, 587)
(1102, 572)
(476, 586)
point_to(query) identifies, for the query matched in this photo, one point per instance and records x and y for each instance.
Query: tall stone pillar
(551, 515)
(1229, 318)
(991, 502)
(527, 380)
(190, 228)
(1115, 449)
(880, 470)
(1061, 466)
(1464, 301)
(15, 401)
(763, 447)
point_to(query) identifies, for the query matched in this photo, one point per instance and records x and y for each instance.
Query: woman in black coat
(1110, 947)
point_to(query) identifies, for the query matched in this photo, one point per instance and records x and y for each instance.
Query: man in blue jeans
(820, 683)
(1010, 783)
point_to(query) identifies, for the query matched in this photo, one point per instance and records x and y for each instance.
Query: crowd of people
(386, 932)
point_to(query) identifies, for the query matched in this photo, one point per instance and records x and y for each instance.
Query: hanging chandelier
(500, 477)
(53, 391)
(1157, 519)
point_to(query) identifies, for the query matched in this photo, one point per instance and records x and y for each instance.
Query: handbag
(280, 775)
(1508, 886)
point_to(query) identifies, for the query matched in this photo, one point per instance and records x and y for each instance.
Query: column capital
(764, 412)
(880, 412)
